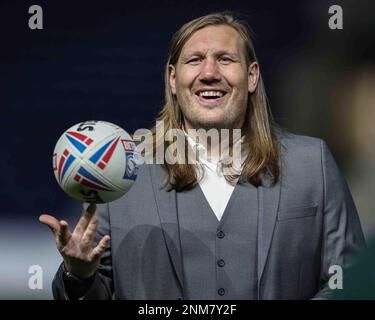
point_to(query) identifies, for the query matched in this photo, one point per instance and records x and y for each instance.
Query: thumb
(50, 222)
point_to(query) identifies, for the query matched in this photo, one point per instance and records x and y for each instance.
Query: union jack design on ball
(100, 158)
(104, 154)
(86, 178)
(78, 140)
(65, 161)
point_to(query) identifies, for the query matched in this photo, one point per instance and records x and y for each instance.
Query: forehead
(214, 38)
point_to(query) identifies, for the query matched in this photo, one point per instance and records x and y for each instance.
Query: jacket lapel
(167, 211)
(268, 206)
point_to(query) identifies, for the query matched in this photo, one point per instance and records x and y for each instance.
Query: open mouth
(210, 96)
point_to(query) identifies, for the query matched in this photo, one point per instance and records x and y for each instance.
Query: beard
(228, 120)
(207, 125)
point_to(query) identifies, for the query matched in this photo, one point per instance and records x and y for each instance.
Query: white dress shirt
(215, 187)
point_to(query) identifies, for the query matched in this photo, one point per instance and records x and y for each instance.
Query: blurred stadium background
(104, 60)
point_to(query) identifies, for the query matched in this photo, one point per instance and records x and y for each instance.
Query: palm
(80, 257)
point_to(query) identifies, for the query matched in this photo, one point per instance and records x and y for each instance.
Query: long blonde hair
(259, 129)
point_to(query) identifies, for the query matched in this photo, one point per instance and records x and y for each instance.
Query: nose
(209, 71)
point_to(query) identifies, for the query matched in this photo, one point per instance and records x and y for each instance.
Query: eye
(225, 60)
(194, 61)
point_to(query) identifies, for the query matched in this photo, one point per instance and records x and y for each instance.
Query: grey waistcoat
(219, 257)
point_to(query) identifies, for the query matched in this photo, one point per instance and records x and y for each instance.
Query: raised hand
(80, 257)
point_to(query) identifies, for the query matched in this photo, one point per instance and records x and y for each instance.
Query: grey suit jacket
(307, 223)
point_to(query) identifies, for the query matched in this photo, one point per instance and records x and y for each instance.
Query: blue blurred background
(104, 60)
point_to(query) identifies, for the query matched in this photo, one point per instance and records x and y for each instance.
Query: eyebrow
(219, 53)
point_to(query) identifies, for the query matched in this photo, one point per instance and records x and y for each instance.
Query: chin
(213, 123)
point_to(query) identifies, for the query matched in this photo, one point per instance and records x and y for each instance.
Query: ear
(253, 76)
(172, 78)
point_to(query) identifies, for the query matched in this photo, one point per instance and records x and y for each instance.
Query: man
(185, 231)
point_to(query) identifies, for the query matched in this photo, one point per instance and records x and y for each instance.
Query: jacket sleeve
(101, 287)
(342, 233)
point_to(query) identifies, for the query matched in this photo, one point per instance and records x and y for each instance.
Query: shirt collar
(211, 163)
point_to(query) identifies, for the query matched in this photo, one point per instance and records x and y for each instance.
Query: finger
(85, 219)
(64, 234)
(50, 222)
(90, 231)
(100, 248)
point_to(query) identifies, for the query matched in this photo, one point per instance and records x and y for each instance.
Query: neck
(217, 142)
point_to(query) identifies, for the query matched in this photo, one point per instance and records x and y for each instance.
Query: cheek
(236, 77)
(185, 77)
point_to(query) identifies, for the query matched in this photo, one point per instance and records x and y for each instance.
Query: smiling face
(211, 79)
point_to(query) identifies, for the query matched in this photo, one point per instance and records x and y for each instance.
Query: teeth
(210, 94)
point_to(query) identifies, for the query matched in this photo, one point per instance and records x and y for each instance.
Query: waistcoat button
(221, 291)
(220, 234)
(221, 263)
